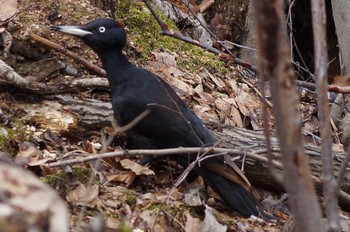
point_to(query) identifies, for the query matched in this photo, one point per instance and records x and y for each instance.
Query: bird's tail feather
(235, 195)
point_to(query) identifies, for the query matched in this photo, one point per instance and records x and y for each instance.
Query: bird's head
(101, 34)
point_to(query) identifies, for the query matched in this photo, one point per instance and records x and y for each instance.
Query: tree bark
(341, 9)
(330, 190)
(275, 65)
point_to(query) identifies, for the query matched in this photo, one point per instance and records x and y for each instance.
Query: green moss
(3, 137)
(82, 173)
(124, 228)
(130, 197)
(176, 210)
(18, 131)
(144, 32)
(52, 179)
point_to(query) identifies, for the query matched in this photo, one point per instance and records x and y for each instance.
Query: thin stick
(61, 49)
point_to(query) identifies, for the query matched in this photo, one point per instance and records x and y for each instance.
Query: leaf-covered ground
(128, 195)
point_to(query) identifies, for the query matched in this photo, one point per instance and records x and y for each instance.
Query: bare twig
(117, 129)
(61, 49)
(174, 219)
(290, 24)
(292, 41)
(89, 82)
(260, 94)
(201, 156)
(134, 121)
(267, 134)
(158, 152)
(237, 45)
(321, 63)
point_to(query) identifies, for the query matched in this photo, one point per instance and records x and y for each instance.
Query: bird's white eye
(102, 29)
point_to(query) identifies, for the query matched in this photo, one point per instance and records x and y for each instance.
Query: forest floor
(63, 113)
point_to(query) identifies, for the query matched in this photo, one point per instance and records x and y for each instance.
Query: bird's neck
(114, 63)
(111, 59)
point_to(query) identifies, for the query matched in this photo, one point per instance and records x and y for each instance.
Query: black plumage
(171, 123)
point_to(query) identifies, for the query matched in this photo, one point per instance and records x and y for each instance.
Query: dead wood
(258, 172)
(9, 77)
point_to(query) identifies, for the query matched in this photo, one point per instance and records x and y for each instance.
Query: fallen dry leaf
(152, 219)
(246, 103)
(192, 224)
(228, 112)
(83, 195)
(217, 81)
(126, 177)
(7, 10)
(194, 197)
(176, 72)
(112, 223)
(225, 103)
(136, 167)
(235, 118)
(27, 153)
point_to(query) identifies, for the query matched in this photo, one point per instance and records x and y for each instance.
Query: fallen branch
(330, 88)
(11, 77)
(159, 152)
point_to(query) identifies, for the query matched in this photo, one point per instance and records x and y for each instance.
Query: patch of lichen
(144, 32)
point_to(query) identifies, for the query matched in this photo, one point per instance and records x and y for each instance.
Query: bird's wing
(230, 172)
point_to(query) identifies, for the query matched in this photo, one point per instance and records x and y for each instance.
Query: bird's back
(171, 123)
